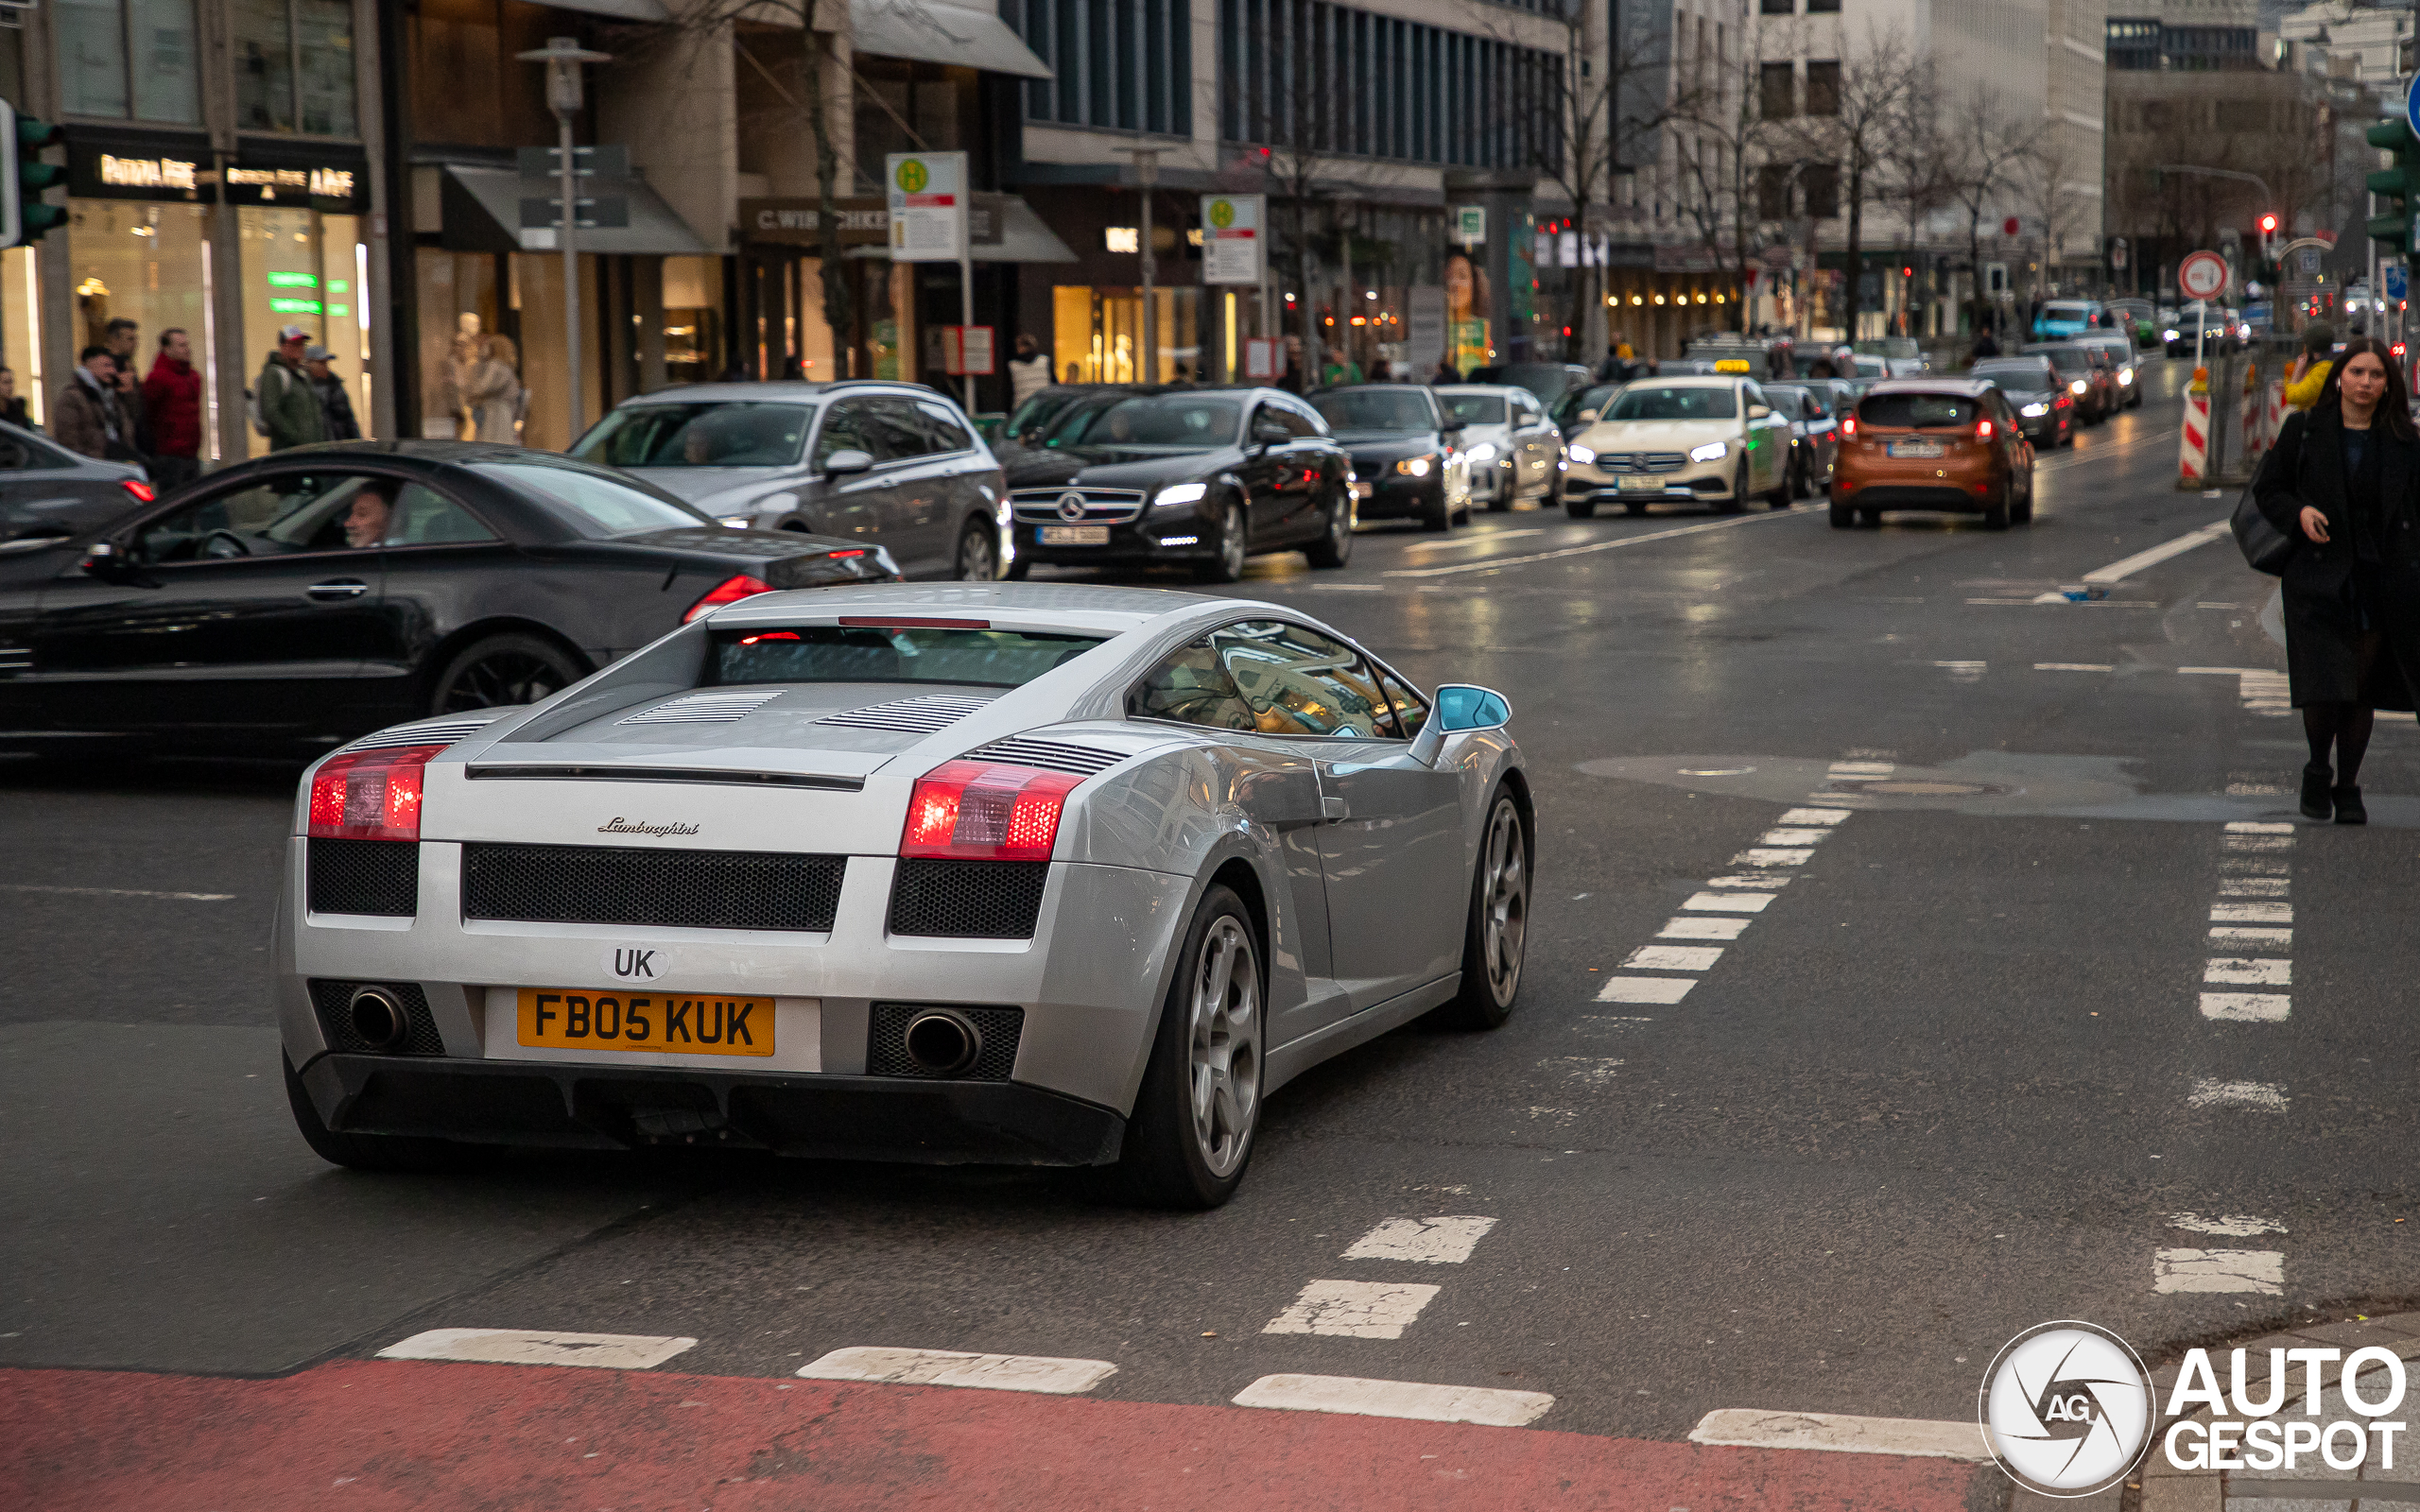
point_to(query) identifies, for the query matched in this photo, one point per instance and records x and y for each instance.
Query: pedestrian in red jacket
(172, 399)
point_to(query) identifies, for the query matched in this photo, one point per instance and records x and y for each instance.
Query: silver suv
(895, 465)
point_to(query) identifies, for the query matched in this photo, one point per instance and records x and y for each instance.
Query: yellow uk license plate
(679, 1023)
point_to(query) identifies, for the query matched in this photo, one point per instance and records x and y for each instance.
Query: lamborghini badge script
(619, 825)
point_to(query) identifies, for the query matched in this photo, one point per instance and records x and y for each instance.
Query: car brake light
(974, 811)
(1982, 430)
(369, 794)
(730, 591)
(893, 622)
(1848, 426)
(844, 555)
(141, 489)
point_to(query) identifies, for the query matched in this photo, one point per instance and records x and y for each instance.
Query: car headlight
(737, 521)
(1416, 467)
(1710, 452)
(2035, 411)
(1176, 493)
(2125, 375)
(1581, 453)
(1483, 451)
(2078, 386)
(2169, 335)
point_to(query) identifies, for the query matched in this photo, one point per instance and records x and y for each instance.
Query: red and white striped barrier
(2192, 458)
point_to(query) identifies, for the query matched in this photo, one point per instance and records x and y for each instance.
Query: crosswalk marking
(949, 1368)
(1673, 958)
(607, 1351)
(1490, 1405)
(2262, 1271)
(1353, 1310)
(1426, 1241)
(1665, 990)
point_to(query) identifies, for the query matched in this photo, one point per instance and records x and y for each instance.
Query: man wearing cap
(334, 404)
(290, 412)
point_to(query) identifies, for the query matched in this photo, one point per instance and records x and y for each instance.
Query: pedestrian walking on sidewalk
(2343, 481)
(2308, 375)
(172, 397)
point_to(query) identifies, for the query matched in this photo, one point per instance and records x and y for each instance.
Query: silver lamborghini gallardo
(1039, 874)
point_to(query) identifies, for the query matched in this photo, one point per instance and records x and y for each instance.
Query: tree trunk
(833, 274)
(1854, 303)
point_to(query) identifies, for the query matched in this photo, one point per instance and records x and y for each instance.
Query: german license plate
(676, 1023)
(1363, 488)
(1640, 485)
(1075, 535)
(1913, 449)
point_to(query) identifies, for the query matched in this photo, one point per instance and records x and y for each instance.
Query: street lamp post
(563, 57)
(1146, 175)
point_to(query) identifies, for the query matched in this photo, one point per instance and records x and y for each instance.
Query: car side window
(1751, 394)
(1296, 681)
(942, 432)
(897, 429)
(1296, 422)
(1191, 688)
(424, 517)
(292, 512)
(844, 430)
(1411, 710)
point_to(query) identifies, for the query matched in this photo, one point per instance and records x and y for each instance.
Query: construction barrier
(2192, 459)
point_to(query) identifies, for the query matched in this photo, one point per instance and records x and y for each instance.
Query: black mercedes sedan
(1196, 477)
(306, 597)
(1404, 457)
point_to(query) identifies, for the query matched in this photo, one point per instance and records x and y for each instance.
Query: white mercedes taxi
(1708, 440)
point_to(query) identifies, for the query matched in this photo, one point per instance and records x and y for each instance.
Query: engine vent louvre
(438, 734)
(705, 708)
(914, 716)
(1050, 755)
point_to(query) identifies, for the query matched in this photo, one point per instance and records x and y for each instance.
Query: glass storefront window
(692, 301)
(294, 66)
(1097, 334)
(21, 326)
(132, 261)
(128, 57)
(301, 269)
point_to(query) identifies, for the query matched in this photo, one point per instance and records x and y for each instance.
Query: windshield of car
(2017, 372)
(1650, 402)
(855, 653)
(1034, 416)
(1567, 408)
(1478, 409)
(1903, 412)
(594, 504)
(1792, 400)
(2065, 310)
(725, 433)
(1187, 422)
(2069, 359)
(1377, 409)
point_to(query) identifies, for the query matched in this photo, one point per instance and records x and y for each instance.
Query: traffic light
(2399, 186)
(24, 176)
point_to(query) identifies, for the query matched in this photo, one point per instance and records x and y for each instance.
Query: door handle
(1333, 808)
(336, 591)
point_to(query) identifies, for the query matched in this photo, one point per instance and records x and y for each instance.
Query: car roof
(1494, 391)
(1071, 607)
(777, 391)
(1967, 387)
(1690, 380)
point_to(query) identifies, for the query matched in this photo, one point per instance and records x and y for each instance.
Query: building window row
(1817, 186)
(137, 60)
(1124, 66)
(1777, 94)
(1312, 77)
(2142, 45)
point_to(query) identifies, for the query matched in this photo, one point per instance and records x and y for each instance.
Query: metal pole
(571, 269)
(966, 312)
(1147, 173)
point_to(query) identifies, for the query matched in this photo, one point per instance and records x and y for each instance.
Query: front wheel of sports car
(1495, 941)
(370, 1152)
(502, 671)
(1194, 1120)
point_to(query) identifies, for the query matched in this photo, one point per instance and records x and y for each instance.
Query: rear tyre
(371, 1152)
(1495, 940)
(1579, 509)
(1334, 548)
(1738, 500)
(2021, 510)
(1502, 501)
(1198, 1108)
(1995, 512)
(1233, 545)
(978, 559)
(1438, 515)
(502, 671)
(1842, 516)
(1783, 492)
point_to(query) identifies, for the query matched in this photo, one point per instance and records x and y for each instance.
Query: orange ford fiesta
(1949, 444)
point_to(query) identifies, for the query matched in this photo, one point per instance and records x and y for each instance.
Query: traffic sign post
(927, 192)
(1231, 238)
(2202, 277)
(1470, 225)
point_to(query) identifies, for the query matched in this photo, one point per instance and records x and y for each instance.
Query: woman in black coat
(2343, 481)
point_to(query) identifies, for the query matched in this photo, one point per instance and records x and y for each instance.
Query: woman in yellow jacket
(2309, 375)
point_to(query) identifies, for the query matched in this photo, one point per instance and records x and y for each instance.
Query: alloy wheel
(1222, 1046)
(1230, 544)
(499, 680)
(1504, 902)
(978, 558)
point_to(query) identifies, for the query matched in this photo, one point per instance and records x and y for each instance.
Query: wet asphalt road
(1953, 1081)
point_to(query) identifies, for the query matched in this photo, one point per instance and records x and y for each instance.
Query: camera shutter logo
(1071, 506)
(2066, 1409)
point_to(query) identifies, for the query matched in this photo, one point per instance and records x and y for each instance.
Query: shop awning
(1024, 238)
(483, 208)
(931, 32)
(618, 10)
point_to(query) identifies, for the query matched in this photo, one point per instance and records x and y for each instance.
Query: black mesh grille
(886, 1045)
(332, 1001)
(610, 885)
(979, 900)
(365, 877)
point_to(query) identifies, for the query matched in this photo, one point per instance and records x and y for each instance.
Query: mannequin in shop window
(494, 392)
(454, 377)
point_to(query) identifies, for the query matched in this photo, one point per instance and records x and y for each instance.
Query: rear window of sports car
(891, 653)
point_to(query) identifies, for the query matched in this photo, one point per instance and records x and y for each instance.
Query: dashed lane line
(610, 1352)
(1423, 1241)
(119, 892)
(2125, 567)
(1659, 990)
(2176, 1271)
(1354, 1309)
(2258, 1097)
(2232, 1225)
(949, 1368)
(1489, 1407)
(1747, 1428)
(1498, 564)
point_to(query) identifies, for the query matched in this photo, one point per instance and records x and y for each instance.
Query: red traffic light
(2268, 225)
(1907, 272)
(2008, 226)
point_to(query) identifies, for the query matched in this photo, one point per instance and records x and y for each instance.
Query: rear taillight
(972, 811)
(142, 490)
(1982, 430)
(730, 591)
(1848, 426)
(371, 795)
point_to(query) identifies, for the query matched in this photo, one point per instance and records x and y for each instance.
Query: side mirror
(1269, 431)
(1453, 423)
(1588, 417)
(106, 562)
(1758, 412)
(1459, 707)
(848, 463)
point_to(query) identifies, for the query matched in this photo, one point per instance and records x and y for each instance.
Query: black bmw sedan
(1404, 456)
(1196, 477)
(306, 597)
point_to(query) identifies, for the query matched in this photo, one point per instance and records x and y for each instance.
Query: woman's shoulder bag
(2266, 548)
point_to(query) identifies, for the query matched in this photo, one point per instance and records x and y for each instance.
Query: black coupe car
(1402, 443)
(306, 597)
(1197, 477)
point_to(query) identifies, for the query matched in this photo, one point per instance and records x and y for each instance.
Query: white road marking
(2219, 1270)
(1424, 1241)
(1770, 879)
(2236, 971)
(1483, 538)
(1353, 1310)
(2245, 934)
(2125, 567)
(948, 1367)
(2232, 1225)
(1594, 1070)
(1667, 989)
(2251, 887)
(1488, 1405)
(2071, 666)
(1792, 837)
(2255, 865)
(2251, 913)
(1764, 855)
(610, 1352)
(1673, 958)
(2252, 843)
(2260, 1096)
(1863, 768)
(1728, 902)
(1964, 671)
(2247, 1007)
(1702, 929)
(1815, 816)
(1502, 562)
(2258, 827)
(1746, 1428)
(118, 892)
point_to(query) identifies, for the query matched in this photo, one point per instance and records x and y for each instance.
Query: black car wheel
(1842, 516)
(1739, 499)
(1233, 544)
(1438, 515)
(1579, 509)
(1335, 547)
(502, 671)
(978, 555)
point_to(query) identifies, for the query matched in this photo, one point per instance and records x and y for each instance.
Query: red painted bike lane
(387, 1436)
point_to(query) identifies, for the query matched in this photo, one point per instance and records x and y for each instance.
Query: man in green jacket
(289, 406)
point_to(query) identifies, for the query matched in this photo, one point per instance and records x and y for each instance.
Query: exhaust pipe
(942, 1043)
(378, 1018)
